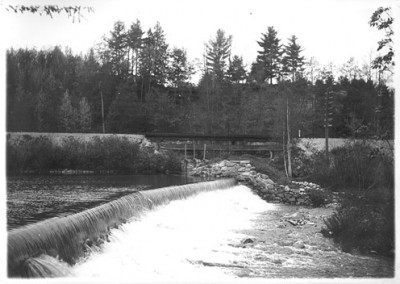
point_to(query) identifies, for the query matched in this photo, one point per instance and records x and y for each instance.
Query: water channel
(34, 198)
(219, 235)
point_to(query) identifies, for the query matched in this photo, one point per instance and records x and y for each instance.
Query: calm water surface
(34, 198)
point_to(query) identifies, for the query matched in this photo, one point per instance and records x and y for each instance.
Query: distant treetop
(49, 10)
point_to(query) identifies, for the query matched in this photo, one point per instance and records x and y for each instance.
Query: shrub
(353, 167)
(31, 154)
(366, 175)
(107, 154)
(362, 225)
(318, 197)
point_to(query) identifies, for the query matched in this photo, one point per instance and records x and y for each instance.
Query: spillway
(167, 234)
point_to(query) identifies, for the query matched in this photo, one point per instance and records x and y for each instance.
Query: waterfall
(32, 249)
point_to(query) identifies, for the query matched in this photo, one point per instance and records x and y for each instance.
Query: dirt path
(287, 243)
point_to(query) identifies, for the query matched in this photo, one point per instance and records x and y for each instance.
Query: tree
(160, 60)
(117, 50)
(312, 69)
(153, 61)
(383, 20)
(217, 53)
(84, 116)
(292, 61)
(236, 71)
(49, 10)
(269, 57)
(350, 69)
(179, 70)
(134, 42)
(67, 114)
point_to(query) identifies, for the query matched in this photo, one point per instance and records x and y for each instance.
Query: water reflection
(34, 198)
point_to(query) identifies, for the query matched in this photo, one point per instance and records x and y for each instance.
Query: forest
(135, 82)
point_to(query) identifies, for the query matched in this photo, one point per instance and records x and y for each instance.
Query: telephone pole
(102, 107)
(328, 118)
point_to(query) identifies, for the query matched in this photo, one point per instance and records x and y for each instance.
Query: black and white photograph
(213, 141)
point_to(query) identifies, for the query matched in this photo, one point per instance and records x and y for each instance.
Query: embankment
(85, 153)
(310, 145)
(296, 193)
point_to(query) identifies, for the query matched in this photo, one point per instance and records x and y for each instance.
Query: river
(34, 198)
(215, 236)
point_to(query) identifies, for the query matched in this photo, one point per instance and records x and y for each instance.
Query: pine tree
(217, 53)
(67, 114)
(117, 50)
(292, 61)
(84, 116)
(134, 42)
(153, 61)
(236, 71)
(269, 58)
(179, 69)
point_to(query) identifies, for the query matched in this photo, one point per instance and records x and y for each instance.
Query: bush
(353, 167)
(37, 154)
(364, 221)
(107, 154)
(318, 197)
(362, 224)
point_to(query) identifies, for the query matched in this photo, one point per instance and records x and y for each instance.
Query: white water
(170, 243)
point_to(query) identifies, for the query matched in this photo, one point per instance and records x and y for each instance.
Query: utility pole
(102, 107)
(328, 118)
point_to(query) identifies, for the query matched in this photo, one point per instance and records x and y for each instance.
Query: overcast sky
(329, 30)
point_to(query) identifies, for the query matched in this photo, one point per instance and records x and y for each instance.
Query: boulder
(268, 181)
(270, 186)
(299, 245)
(229, 164)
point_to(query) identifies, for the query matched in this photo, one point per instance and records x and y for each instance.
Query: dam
(146, 235)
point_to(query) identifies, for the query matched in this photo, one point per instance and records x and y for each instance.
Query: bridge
(191, 144)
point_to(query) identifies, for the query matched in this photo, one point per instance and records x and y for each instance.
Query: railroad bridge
(198, 145)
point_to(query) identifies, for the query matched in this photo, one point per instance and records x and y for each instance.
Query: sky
(329, 30)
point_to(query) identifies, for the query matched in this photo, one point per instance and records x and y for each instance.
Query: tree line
(134, 82)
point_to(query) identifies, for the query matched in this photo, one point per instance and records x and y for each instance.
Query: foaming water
(70, 238)
(186, 240)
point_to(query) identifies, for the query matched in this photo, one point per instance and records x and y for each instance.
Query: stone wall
(297, 193)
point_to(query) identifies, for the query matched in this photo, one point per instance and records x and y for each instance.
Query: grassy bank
(365, 220)
(117, 154)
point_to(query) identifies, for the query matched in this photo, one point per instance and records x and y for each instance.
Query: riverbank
(294, 233)
(287, 243)
(293, 193)
(86, 154)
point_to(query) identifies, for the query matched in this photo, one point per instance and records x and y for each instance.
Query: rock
(299, 245)
(284, 243)
(247, 241)
(270, 186)
(245, 272)
(244, 162)
(268, 181)
(286, 188)
(229, 164)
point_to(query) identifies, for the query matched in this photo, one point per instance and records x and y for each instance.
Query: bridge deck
(209, 137)
(270, 147)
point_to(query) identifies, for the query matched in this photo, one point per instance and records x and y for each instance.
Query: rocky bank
(296, 193)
